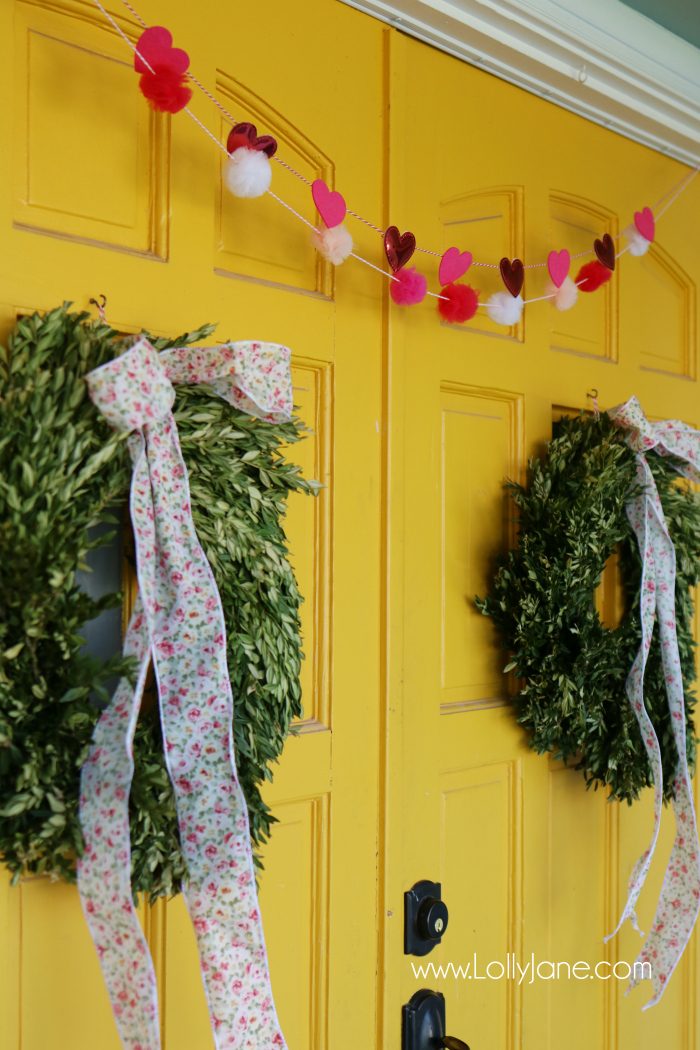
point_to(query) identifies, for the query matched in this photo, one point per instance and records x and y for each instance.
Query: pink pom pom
(409, 287)
(459, 303)
(591, 276)
(334, 244)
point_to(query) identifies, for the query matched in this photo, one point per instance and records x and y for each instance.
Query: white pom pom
(504, 308)
(636, 244)
(334, 244)
(248, 172)
(565, 296)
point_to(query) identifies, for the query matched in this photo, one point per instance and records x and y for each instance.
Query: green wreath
(571, 668)
(63, 472)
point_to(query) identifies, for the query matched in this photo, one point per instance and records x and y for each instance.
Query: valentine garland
(64, 472)
(164, 79)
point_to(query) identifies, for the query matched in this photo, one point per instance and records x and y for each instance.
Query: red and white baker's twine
(662, 204)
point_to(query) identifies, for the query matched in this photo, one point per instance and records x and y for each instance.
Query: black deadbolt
(432, 918)
(425, 917)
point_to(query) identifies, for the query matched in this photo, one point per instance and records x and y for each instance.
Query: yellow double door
(408, 763)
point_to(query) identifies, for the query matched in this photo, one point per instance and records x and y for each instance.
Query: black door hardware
(423, 1023)
(425, 918)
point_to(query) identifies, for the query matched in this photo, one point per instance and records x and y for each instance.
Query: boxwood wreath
(570, 668)
(63, 472)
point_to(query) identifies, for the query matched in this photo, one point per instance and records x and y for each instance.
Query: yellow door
(100, 196)
(408, 763)
(529, 861)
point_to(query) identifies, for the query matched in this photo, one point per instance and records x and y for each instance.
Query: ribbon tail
(678, 906)
(635, 884)
(639, 515)
(679, 900)
(104, 870)
(196, 704)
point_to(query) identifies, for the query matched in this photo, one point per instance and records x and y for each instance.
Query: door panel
(63, 184)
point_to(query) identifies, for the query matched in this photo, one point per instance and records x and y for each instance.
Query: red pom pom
(592, 275)
(166, 90)
(459, 303)
(409, 287)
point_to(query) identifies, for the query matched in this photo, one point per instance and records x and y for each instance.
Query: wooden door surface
(99, 195)
(529, 860)
(408, 763)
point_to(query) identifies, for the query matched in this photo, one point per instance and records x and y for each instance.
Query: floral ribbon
(679, 902)
(178, 623)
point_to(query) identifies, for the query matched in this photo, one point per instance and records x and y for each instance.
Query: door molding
(600, 59)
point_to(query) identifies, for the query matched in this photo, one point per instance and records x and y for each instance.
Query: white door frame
(597, 58)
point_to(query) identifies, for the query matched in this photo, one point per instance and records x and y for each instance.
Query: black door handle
(423, 1023)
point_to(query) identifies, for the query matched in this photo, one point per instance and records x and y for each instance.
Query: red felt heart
(605, 250)
(513, 274)
(399, 247)
(155, 49)
(246, 135)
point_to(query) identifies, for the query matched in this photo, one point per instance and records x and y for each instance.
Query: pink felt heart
(330, 204)
(453, 265)
(558, 264)
(644, 221)
(155, 47)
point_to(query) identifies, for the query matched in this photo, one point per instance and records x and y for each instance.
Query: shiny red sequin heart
(605, 250)
(399, 247)
(513, 274)
(246, 135)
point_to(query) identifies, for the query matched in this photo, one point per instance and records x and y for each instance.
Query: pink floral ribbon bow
(678, 904)
(178, 623)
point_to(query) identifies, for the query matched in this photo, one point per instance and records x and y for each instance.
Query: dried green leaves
(63, 471)
(572, 669)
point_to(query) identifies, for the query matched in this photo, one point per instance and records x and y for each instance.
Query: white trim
(598, 58)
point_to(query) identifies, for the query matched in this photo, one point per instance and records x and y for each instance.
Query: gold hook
(101, 306)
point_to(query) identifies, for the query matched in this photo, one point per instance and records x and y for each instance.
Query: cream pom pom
(565, 296)
(636, 244)
(248, 172)
(334, 244)
(504, 308)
